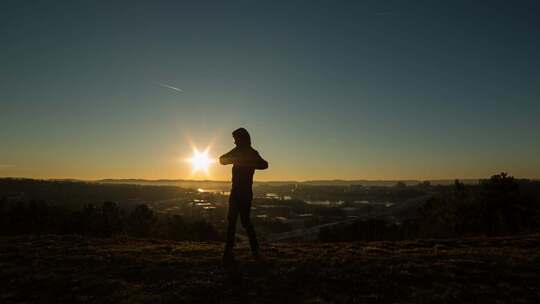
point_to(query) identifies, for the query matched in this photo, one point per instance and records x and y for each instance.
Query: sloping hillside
(71, 269)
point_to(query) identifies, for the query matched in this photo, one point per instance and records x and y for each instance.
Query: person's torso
(242, 177)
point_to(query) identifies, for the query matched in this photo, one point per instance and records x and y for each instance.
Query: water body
(325, 203)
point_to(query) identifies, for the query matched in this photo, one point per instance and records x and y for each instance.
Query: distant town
(282, 211)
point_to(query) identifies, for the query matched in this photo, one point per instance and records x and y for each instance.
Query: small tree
(203, 231)
(502, 204)
(90, 220)
(176, 228)
(141, 221)
(111, 219)
(400, 185)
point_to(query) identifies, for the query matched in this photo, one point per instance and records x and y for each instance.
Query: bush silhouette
(141, 221)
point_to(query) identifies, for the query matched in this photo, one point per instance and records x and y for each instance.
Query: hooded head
(241, 137)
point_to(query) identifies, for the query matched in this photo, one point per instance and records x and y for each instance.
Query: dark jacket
(245, 161)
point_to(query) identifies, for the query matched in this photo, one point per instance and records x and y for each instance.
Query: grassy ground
(72, 269)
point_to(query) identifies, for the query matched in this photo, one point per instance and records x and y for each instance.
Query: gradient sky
(328, 89)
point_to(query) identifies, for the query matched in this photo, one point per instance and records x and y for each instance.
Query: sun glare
(200, 161)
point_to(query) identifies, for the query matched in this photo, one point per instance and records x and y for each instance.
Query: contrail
(169, 87)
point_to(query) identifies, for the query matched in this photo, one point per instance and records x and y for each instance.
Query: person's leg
(245, 210)
(232, 217)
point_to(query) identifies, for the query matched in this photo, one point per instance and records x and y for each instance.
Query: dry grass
(72, 269)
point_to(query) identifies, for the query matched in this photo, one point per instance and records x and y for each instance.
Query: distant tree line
(106, 220)
(398, 192)
(76, 194)
(497, 206)
(500, 205)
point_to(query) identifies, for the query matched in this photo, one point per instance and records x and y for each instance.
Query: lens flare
(200, 161)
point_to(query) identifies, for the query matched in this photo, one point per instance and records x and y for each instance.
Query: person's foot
(228, 258)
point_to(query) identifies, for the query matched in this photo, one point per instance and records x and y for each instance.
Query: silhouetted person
(245, 160)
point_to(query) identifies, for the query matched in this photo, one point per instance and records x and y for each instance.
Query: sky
(328, 89)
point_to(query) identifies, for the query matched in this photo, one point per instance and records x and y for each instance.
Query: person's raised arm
(227, 158)
(260, 163)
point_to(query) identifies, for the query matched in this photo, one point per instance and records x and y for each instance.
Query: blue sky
(328, 89)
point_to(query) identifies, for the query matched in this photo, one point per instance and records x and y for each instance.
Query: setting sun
(200, 161)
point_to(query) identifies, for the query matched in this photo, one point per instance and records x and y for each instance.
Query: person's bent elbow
(225, 160)
(263, 165)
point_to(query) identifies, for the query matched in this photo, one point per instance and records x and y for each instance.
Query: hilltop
(73, 269)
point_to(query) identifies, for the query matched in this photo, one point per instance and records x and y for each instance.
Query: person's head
(241, 137)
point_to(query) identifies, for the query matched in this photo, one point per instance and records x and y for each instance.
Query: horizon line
(260, 181)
